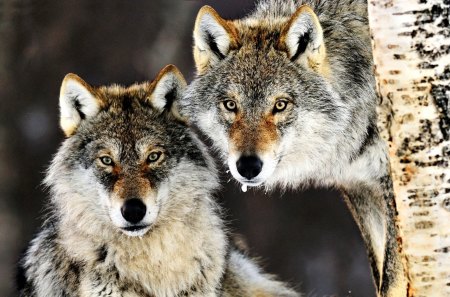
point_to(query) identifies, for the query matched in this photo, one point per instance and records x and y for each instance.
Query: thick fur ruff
(292, 86)
(131, 144)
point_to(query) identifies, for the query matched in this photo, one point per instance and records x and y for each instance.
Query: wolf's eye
(280, 106)
(230, 105)
(153, 157)
(106, 160)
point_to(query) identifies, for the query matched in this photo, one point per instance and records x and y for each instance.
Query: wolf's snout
(249, 166)
(133, 210)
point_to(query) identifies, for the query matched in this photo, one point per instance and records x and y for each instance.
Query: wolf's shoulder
(325, 9)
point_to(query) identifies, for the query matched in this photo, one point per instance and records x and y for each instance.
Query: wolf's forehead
(128, 144)
(258, 31)
(131, 126)
(117, 93)
(116, 98)
(259, 38)
(260, 74)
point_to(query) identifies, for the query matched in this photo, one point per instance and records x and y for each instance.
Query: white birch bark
(411, 40)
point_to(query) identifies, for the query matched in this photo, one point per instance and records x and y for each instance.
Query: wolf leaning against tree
(132, 212)
(287, 95)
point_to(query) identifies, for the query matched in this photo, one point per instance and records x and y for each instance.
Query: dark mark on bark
(438, 16)
(443, 250)
(446, 204)
(446, 151)
(424, 140)
(422, 203)
(424, 225)
(439, 163)
(421, 213)
(442, 102)
(426, 65)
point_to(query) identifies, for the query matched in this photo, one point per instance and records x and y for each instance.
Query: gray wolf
(132, 210)
(287, 96)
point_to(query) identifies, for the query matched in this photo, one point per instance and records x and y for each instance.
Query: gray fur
(82, 250)
(328, 135)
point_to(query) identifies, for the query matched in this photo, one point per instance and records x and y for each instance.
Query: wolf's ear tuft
(302, 39)
(213, 38)
(76, 103)
(166, 91)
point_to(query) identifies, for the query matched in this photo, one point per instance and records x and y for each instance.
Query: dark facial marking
(107, 179)
(102, 252)
(127, 103)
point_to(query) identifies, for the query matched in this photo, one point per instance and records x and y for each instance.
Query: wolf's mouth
(134, 228)
(252, 182)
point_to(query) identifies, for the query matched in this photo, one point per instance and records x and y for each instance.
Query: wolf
(287, 97)
(132, 211)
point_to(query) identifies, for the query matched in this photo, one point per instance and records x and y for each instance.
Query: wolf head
(264, 94)
(127, 152)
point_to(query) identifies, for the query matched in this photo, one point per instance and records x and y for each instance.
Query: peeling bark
(411, 40)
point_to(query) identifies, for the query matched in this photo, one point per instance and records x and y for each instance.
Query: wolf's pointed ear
(76, 103)
(166, 91)
(214, 37)
(302, 39)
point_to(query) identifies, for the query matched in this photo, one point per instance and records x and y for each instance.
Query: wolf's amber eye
(230, 105)
(106, 160)
(280, 105)
(153, 157)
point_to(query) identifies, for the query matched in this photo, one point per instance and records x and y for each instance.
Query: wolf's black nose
(249, 166)
(133, 210)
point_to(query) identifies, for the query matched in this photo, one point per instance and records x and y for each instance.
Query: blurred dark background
(307, 238)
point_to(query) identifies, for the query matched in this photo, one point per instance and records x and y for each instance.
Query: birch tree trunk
(411, 41)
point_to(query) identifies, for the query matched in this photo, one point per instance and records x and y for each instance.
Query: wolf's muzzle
(249, 166)
(133, 210)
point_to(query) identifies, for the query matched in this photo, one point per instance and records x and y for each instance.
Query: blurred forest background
(307, 238)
